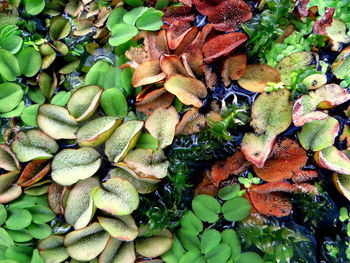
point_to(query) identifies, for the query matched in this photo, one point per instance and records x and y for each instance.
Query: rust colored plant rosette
(270, 198)
(34, 172)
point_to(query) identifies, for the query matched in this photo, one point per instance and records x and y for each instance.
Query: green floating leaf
(155, 245)
(18, 218)
(189, 239)
(21, 236)
(34, 7)
(230, 237)
(134, 3)
(79, 208)
(219, 254)
(13, 44)
(60, 28)
(47, 84)
(16, 112)
(113, 103)
(36, 96)
(142, 185)
(118, 251)
(117, 197)
(190, 222)
(20, 254)
(236, 209)
(11, 95)
(36, 258)
(8, 160)
(333, 159)
(210, 239)
(52, 250)
(3, 214)
(5, 239)
(61, 98)
(123, 228)
(29, 61)
(9, 67)
(56, 122)
(194, 256)
(161, 125)
(97, 73)
(121, 33)
(33, 144)
(320, 134)
(41, 213)
(175, 253)
(122, 140)
(229, 192)
(72, 165)
(248, 257)
(39, 231)
(29, 115)
(147, 163)
(84, 102)
(116, 17)
(147, 141)
(151, 20)
(206, 208)
(87, 243)
(131, 16)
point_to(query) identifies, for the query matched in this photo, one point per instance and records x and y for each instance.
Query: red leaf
(222, 45)
(33, 172)
(273, 187)
(176, 33)
(224, 15)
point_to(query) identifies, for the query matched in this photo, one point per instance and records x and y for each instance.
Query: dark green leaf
(206, 208)
(210, 239)
(236, 209)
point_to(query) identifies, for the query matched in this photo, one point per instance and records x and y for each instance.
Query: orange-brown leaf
(272, 204)
(287, 159)
(206, 187)
(147, 73)
(171, 65)
(177, 13)
(234, 164)
(148, 102)
(188, 90)
(234, 68)
(191, 122)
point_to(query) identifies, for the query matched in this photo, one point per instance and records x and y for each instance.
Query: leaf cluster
(125, 24)
(196, 241)
(22, 222)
